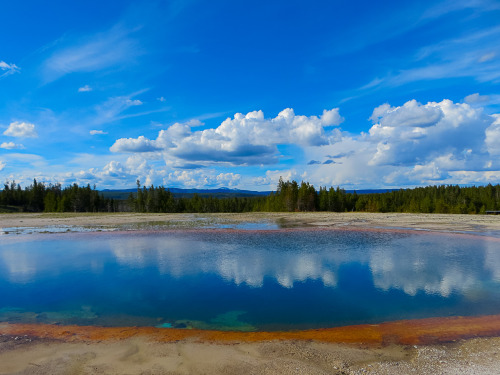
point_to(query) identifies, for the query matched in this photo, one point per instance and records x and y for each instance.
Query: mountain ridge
(223, 192)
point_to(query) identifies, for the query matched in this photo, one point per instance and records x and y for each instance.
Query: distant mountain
(188, 193)
(371, 191)
(123, 194)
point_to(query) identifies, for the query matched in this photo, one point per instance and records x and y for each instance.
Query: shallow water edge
(405, 332)
(67, 222)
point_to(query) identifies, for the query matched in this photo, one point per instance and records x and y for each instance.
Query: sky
(235, 94)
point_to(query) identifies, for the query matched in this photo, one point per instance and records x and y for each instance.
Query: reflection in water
(20, 266)
(433, 267)
(492, 260)
(236, 262)
(243, 280)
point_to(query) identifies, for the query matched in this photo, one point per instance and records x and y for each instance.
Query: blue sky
(238, 93)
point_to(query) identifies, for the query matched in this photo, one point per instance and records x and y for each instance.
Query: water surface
(246, 280)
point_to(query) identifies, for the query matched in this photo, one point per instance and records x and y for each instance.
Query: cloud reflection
(234, 262)
(430, 265)
(421, 263)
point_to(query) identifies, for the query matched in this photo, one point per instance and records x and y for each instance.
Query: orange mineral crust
(408, 332)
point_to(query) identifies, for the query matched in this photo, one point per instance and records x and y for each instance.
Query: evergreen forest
(289, 196)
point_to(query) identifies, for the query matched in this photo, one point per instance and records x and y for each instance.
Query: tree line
(159, 199)
(289, 196)
(39, 197)
(447, 199)
(453, 199)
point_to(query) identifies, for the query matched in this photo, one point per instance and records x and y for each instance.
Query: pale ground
(131, 221)
(140, 356)
(24, 355)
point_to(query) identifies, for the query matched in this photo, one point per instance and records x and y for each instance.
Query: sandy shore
(142, 356)
(30, 352)
(436, 222)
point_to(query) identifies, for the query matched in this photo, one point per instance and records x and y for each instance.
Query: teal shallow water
(246, 280)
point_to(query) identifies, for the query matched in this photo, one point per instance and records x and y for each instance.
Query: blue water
(246, 280)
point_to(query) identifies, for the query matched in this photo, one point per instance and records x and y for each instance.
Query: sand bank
(132, 221)
(420, 347)
(139, 355)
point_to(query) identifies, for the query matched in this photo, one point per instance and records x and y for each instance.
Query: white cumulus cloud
(194, 123)
(201, 178)
(21, 130)
(413, 144)
(415, 132)
(411, 114)
(493, 137)
(409, 144)
(476, 98)
(141, 144)
(242, 140)
(11, 146)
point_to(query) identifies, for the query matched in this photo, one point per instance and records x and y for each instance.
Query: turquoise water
(246, 280)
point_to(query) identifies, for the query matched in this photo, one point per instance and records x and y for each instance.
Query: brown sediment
(406, 332)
